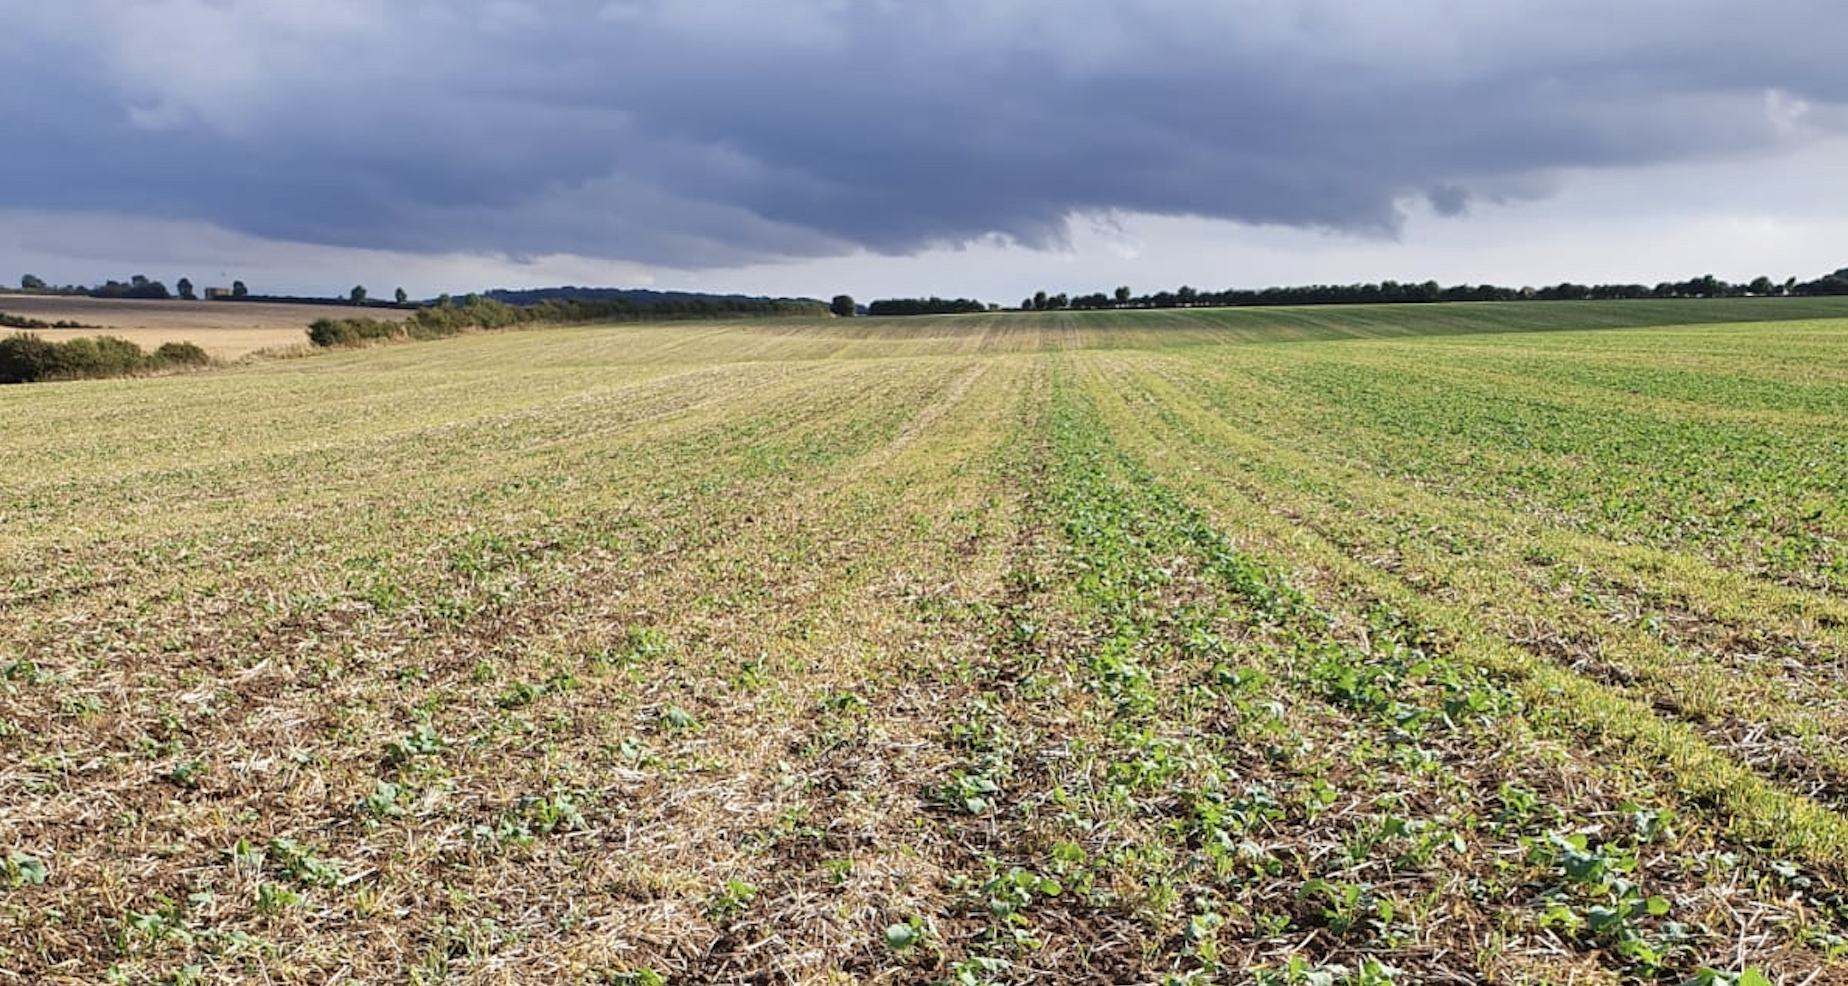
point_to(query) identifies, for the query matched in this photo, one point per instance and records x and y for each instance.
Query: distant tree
(1185, 295)
(137, 287)
(1761, 286)
(185, 287)
(401, 296)
(842, 306)
(358, 294)
(1122, 296)
(32, 282)
(1564, 291)
(1039, 301)
(932, 305)
(1026, 304)
(444, 300)
(1831, 284)
(238, 290)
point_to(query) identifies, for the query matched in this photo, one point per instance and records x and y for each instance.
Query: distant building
(218, 294)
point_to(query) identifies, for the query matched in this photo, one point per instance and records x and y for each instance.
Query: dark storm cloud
(711, 132)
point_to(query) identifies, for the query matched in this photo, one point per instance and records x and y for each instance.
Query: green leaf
(29, 871)
(902, 936)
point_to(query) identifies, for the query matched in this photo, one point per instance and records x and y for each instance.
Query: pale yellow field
(227, 330)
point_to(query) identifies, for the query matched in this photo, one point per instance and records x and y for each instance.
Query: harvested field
(227, 330)
(1129, 648)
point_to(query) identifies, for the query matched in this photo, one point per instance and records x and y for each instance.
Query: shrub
(102, 356)
(115, 357)
(329, 332)
(25, 357)
(179, 354)
(475, 312)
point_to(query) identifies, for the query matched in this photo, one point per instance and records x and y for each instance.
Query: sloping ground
(1071, 648)
(1165, 328)
(225, 329)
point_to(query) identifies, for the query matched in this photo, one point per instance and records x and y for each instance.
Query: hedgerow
(26, 357)
(476, 312)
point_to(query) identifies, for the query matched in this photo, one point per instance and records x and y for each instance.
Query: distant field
(227, 330)
(1344, 646)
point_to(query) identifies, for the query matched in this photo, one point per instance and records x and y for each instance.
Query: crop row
(970, 651)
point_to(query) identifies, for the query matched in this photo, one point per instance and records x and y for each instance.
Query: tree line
(1394, 292)
(1383, 292)
(925, 306)
(448, 317)
(141, 287)
(138, 286)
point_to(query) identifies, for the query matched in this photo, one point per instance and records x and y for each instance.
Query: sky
(980, 148)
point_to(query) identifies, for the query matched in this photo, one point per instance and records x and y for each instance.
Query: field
(226, 330)
(1369, 645)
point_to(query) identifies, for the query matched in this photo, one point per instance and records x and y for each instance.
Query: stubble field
(1306, 646)
(227, 330)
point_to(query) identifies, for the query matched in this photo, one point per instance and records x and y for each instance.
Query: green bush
(102, 356)
(328, 332)
(25, 357)
(179, 354)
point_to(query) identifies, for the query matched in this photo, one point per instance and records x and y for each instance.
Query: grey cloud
(1449, 200)
(713, 132)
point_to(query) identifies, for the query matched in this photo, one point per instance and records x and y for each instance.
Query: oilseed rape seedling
(1380, 644)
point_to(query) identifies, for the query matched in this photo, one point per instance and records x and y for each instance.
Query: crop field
(227, 330)
(1457, 644)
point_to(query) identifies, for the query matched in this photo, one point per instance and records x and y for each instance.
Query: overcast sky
(897, 147)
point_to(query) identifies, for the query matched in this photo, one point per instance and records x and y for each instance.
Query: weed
(729, 900)
(22, 870)
(421, 741)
